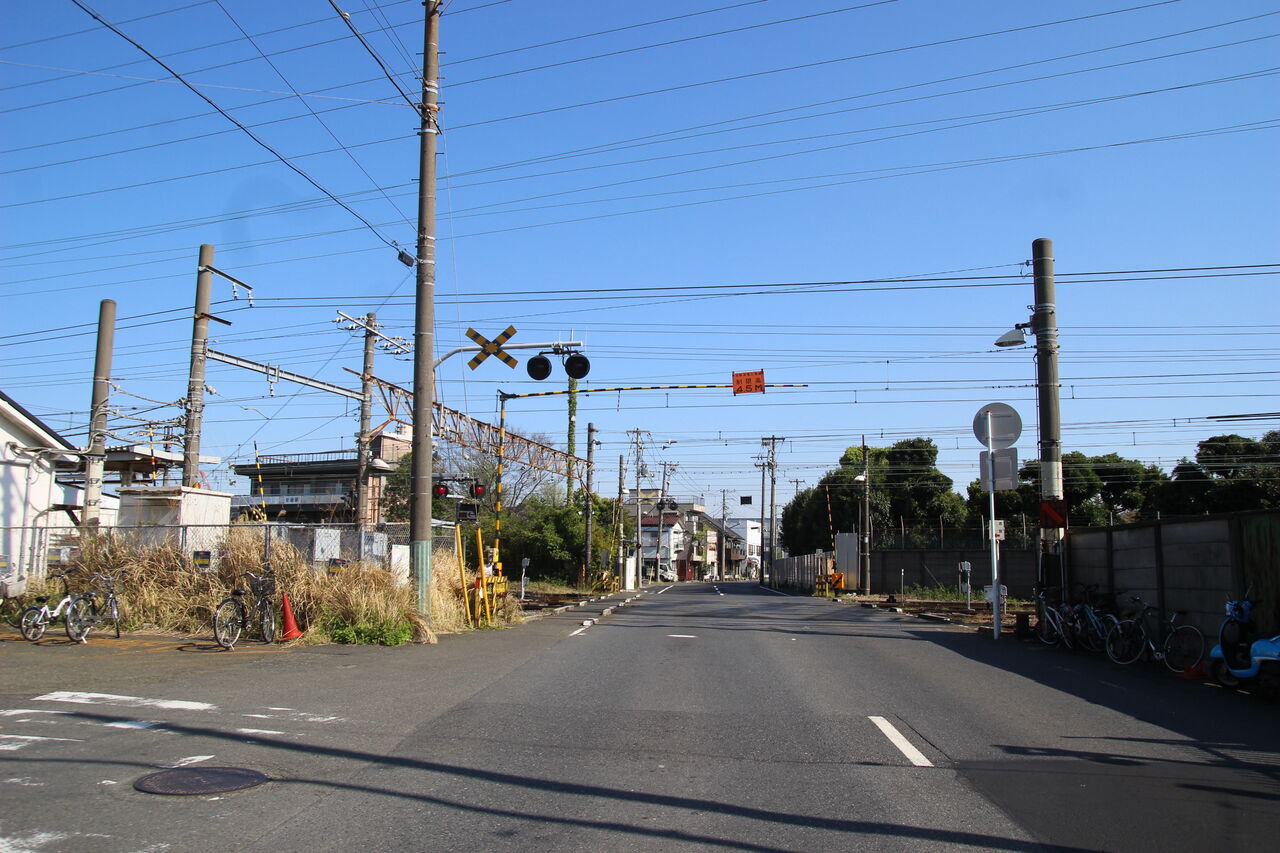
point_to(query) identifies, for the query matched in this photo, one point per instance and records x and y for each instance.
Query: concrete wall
(1191, 565)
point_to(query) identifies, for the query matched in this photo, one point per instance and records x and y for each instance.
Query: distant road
(697, 717)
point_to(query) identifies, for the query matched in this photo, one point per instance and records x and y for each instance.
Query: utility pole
(762, 465)
(588, 501)
(195, 376)
(424, 391)
(636, 437)
(772, 441)
(864, 556)
(1044, 325)
(662, 508)
(95, 462)
(364, 442)
(620, 559)
(724, 533)
(572, 444)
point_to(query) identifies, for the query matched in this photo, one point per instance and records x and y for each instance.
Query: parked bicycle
(1090, 624)
(90, 609)
(233, 616)
(1053, 619)
(1180, 647)
(38, 617)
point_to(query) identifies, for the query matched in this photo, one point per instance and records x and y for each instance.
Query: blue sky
(690, 187)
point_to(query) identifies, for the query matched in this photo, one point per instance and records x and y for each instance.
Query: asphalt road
(695, 717)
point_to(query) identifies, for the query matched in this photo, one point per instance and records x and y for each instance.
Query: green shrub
(385, 632)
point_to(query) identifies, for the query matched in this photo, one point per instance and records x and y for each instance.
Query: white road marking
(260, 732)
(190, 759)
(895, 737)
(299, 716)
(684, 636)
(14, 712)
(132, 724)
(776, 592)
(12, 743)
(127, 701)
(579, 631)
(661, 591)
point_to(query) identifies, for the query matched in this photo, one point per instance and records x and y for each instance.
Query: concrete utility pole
(95, 462)
(722, 551)
(763, 466)
(620, 559)
(635, 435)
(588, 501)
(864, 570)
(195, 376)
(1044, 325)
(772, 441)
(662, 510)
(571, 446)
(364, 442)
(424, 335)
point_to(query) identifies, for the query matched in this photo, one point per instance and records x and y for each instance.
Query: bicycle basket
(263, 585)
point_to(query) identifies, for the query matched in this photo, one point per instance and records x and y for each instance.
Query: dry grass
(161, 589)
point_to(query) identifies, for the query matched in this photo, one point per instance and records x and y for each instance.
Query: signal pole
(424, 391)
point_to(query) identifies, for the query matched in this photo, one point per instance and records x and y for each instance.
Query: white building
(31, 498)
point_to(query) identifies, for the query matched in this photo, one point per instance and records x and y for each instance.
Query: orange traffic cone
(291, 631)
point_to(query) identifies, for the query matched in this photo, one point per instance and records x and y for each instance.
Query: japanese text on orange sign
(751, 382)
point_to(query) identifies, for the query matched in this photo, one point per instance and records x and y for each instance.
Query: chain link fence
(36, 552)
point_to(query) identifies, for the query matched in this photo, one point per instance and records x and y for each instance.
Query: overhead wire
(284, 160)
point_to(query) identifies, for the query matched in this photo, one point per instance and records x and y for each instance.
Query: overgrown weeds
(162, 589)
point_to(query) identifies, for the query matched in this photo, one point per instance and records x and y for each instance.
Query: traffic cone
(291, 631)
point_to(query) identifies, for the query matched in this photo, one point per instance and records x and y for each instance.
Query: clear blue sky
(691, 187)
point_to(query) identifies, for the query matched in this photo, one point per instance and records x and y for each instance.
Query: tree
(906, 486)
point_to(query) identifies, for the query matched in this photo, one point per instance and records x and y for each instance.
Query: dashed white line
(684, 636)
(904, 746)
(580, 630)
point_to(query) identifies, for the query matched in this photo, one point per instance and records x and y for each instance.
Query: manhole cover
(187, 781)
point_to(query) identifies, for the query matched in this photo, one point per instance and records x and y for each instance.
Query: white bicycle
(38, 617)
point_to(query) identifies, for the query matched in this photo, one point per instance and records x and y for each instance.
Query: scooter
(1239, 661)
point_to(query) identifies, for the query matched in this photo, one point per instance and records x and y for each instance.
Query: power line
(392, 244)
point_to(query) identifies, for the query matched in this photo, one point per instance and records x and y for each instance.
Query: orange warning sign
(751, 382)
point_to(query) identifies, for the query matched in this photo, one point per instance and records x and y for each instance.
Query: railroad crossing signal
(491, 347)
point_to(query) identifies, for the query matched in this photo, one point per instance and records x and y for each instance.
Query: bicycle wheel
(1046, 631)
(1088, 632)
(112, 612)
(267, 621)
(1183, 648)
(11, 612)
(32, 623)
(80, 618)
(228, 622)
(1125, 641)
